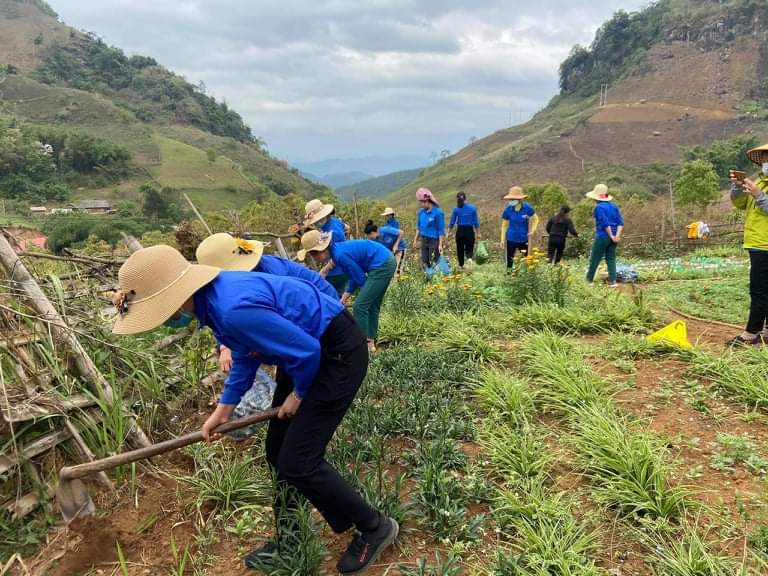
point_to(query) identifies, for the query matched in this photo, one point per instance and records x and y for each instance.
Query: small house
(94, 206)
(38, 210)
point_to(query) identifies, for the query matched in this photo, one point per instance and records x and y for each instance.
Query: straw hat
(388, 212)
(154, 283)
(515, 193)
(229, 253)
(600, 193)
(315, 210)
(314, 241)
(756, 154)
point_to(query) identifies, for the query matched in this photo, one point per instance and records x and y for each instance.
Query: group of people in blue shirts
(268, 310)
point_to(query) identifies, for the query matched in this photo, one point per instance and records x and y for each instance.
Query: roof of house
(92, 204)
(38, 208)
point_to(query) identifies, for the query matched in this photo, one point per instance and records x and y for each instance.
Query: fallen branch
(79, 259)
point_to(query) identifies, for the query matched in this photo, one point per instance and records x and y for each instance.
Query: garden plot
(515, 425)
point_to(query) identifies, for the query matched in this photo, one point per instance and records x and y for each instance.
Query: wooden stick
(131, 242)
(87, 454)
(20, 276)
(696, 318)
(80, 259)
(197, 213)
(281, 248)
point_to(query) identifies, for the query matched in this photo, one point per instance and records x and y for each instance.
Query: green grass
(186, 168)
(725, 300)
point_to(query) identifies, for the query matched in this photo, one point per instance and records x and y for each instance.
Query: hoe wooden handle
(80, 470)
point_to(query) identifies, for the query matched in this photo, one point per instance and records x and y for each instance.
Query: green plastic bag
(481, 252)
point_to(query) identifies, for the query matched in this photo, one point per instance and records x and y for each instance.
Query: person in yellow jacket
(518, 223)
(750, 196)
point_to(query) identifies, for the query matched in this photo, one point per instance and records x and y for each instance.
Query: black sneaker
(261, 557)
(366, 547)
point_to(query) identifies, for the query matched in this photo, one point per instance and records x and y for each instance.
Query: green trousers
(602, 248)
(339, 282)
(368, 302)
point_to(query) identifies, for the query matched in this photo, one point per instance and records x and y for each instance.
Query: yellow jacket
(756, 224)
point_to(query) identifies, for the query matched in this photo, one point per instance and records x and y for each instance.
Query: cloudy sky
(320, 79)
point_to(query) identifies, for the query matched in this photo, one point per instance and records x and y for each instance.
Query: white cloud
(319, 78)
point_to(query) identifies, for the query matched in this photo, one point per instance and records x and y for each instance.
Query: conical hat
(756, 154)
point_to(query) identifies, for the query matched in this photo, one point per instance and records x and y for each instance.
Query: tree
(154, 206)
(547, 198)
(211, 155)
(697, 185)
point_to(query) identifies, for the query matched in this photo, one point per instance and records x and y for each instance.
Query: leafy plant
(733, 449)
(450, 566)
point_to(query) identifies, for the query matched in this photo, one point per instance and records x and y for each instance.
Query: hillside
(680, 73)
(380, 186)
(55, 77)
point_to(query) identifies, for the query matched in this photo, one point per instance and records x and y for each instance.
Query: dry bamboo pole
(131, 242)
(197, 213)
(20, 276)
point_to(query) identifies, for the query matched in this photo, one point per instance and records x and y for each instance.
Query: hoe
(72, 495)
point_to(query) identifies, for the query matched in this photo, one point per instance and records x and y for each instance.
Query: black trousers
(429, 251)
(513, 247)
(758, 291)
(465, 243)
(296, 447)
(555, 248)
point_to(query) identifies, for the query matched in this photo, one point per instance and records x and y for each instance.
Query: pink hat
(426, 194)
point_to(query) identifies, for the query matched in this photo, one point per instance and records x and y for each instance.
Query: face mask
(184, 320)
(765, 168)
(513, 203)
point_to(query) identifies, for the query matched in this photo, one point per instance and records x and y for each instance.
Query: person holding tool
(430, 228)
(609, 224)
(392, 221)
(369, 267)
(518, 223)
(316, 213)
(322, 360)
(465, 216)
(229, 253)
(750, 196)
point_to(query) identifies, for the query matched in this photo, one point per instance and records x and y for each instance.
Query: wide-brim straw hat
(756, 154)
(600, 193)
(154, 283)
(388, 212)
(229, 253)
(314, 241)
(515, 193)
(315, 210)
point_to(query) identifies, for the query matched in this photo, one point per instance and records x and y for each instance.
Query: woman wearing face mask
(368, 265)
(323, 216)
(322, 361)
(465, 215)
(393, 222)
(430, 228)
(229, 253)
(750, 196)
(518, 222)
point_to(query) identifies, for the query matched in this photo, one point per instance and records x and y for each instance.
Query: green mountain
(380, 186)
(680, 74)
(69, 89)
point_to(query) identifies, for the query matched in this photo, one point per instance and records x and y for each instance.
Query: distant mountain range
(339, 172)
(380, 186)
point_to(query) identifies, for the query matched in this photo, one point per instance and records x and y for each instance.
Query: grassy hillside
(54, 77)
(681, 73)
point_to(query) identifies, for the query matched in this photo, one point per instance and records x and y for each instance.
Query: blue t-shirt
(431, 222)
(357, 258)
(395, 223)
(338, 234)
(517, 231)
(465, 216)
(266, 319)
(282, 267)
(607, 214)
(388, 236)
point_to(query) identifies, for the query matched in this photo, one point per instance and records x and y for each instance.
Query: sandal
(739, 341)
